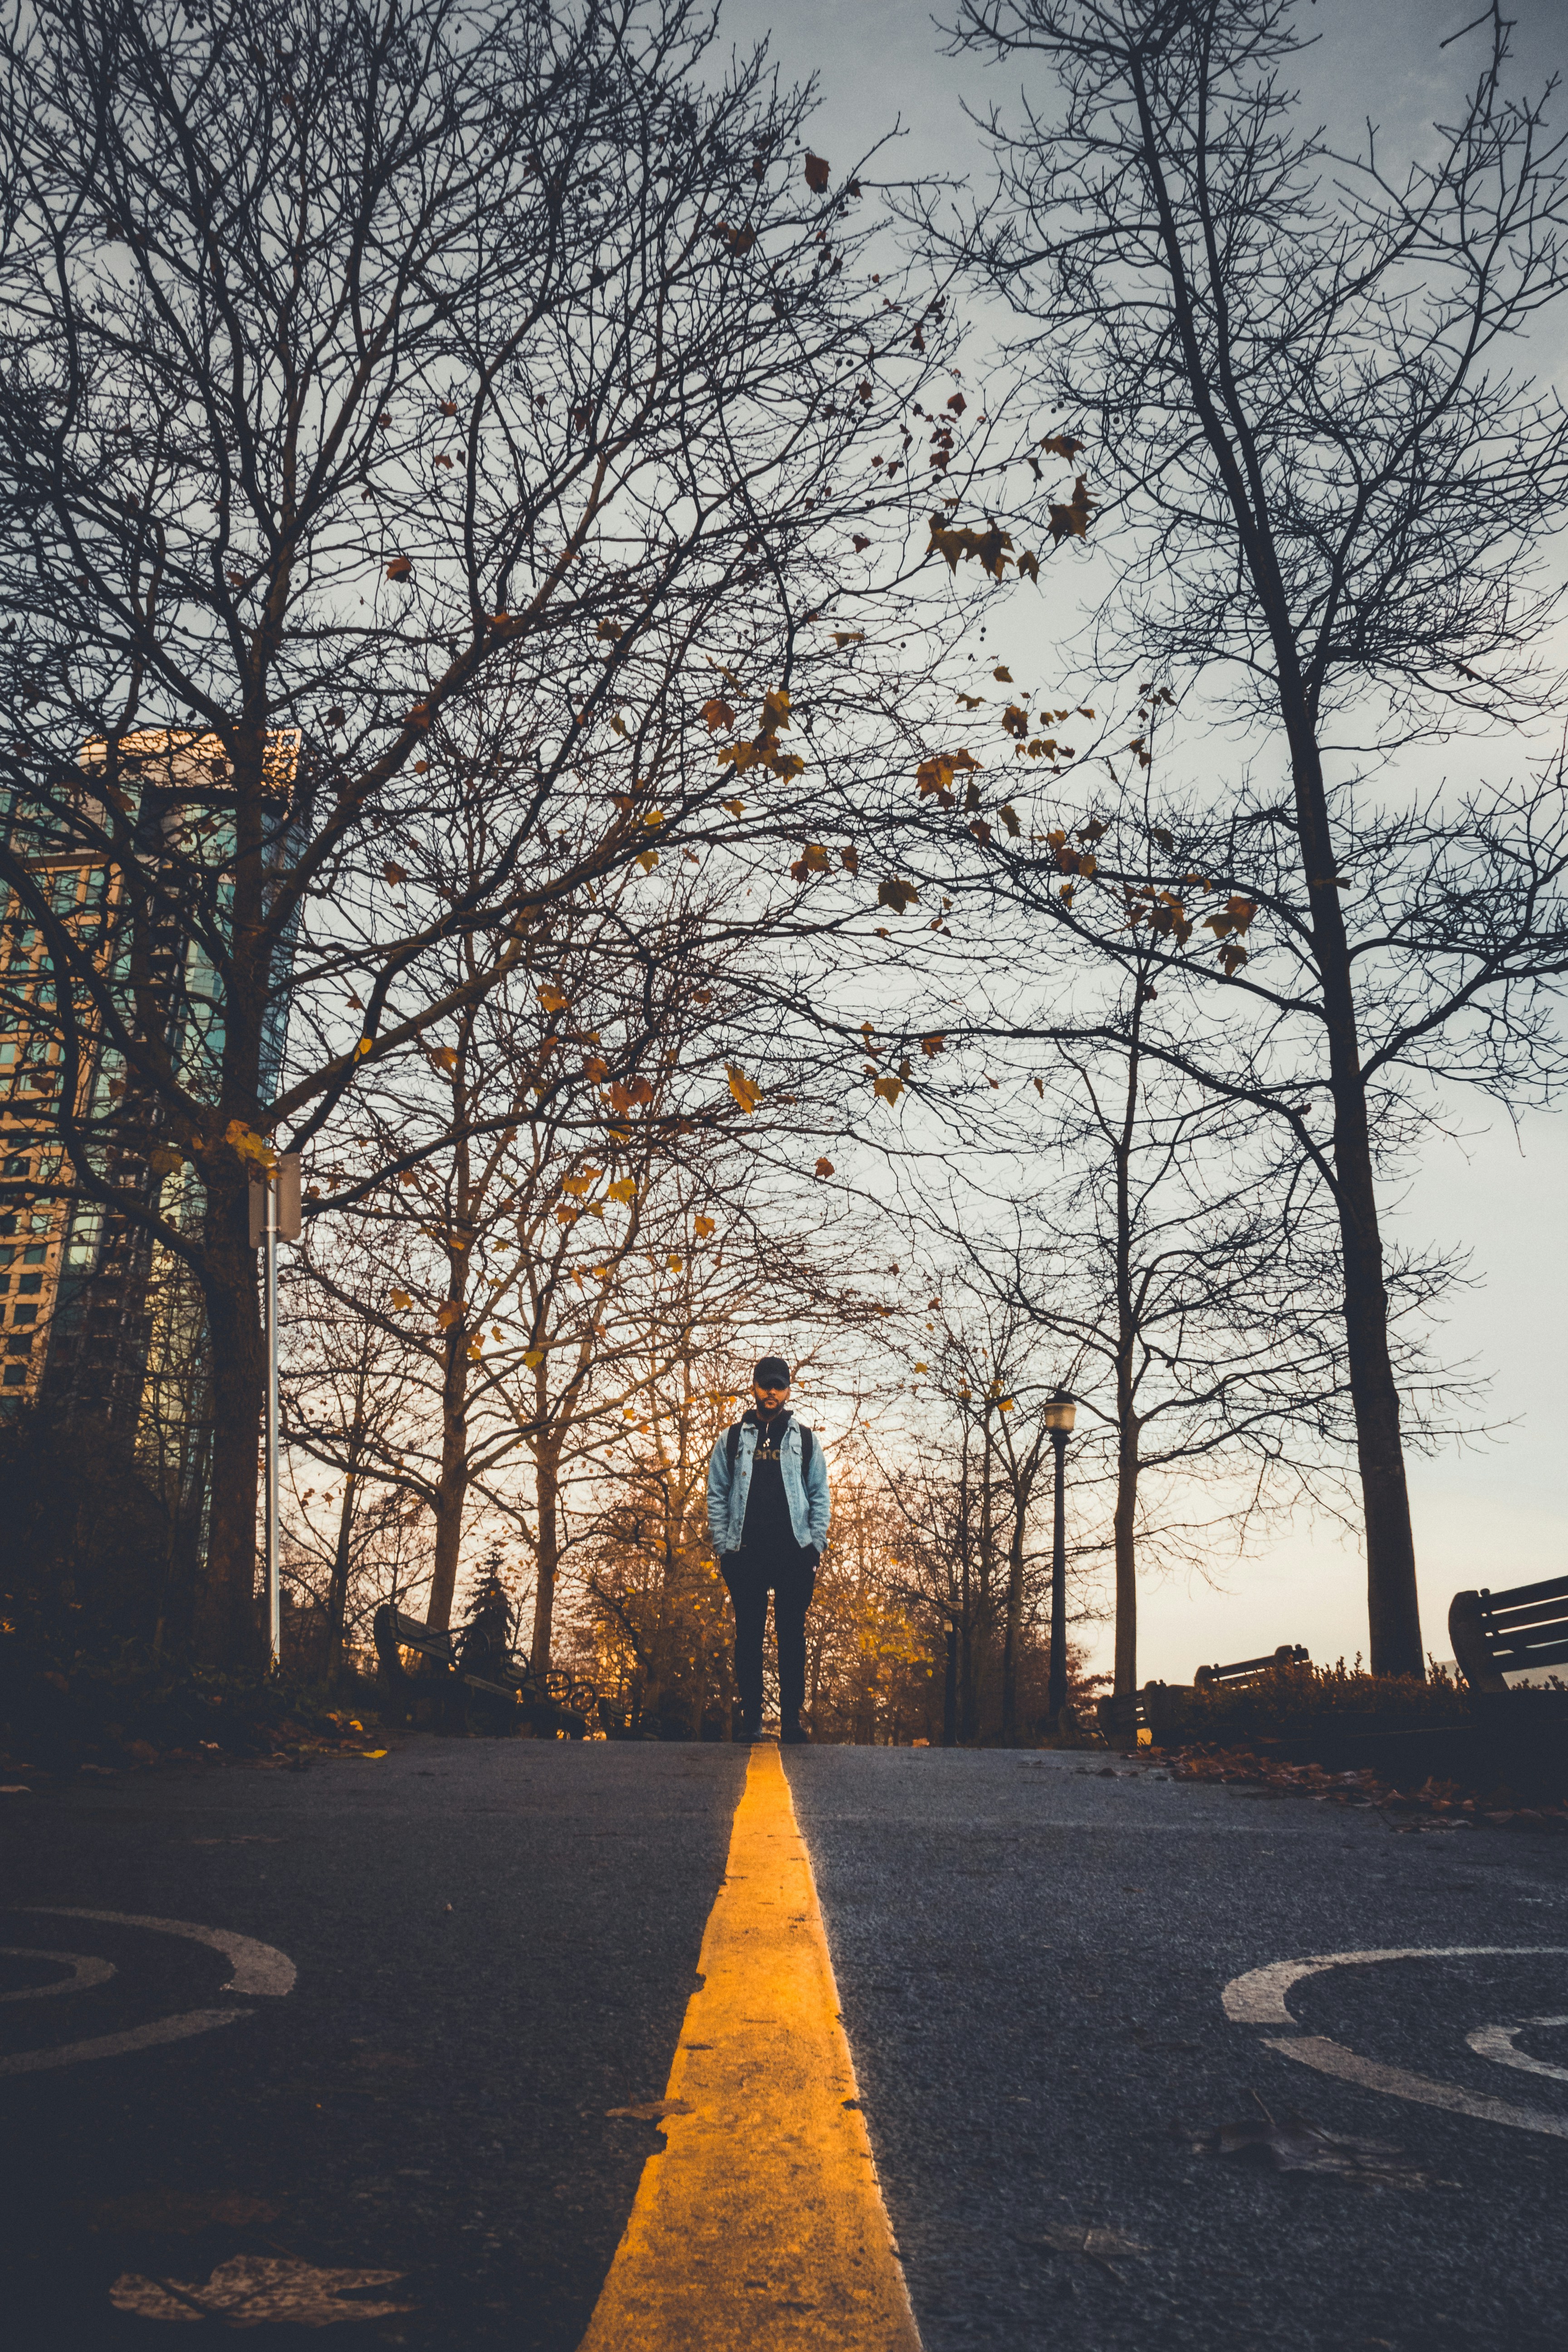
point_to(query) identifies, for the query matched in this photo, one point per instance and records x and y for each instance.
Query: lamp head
(1060, 1413)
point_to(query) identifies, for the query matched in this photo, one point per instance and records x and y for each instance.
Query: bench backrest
(1246, 1670)
(1499, 1633)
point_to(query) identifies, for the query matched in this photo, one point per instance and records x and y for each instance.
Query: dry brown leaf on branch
(746, 1091)
(897, 895)
(823, 1168)
(1062, 445)
(399, 567)
(816, 171)
(703, 1227)
(1071, 521)
(718, 713)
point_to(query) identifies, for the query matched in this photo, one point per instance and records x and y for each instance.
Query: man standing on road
(767, 1513)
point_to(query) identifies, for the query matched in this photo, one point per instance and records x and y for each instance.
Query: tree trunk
(547, 1467)
(1125, 1521)
(452, 1487)
(338, 1589)
(1014, 1630)
(1392, 1606)
(227, 1627)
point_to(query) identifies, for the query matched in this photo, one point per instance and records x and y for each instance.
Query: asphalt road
(1031, 1960)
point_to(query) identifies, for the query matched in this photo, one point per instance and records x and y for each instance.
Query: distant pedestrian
(767, 1512)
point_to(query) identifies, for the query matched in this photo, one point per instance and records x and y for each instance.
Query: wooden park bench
(1249, 1670)
(1496, 1635)
(1160, 1709)
(479, 1662)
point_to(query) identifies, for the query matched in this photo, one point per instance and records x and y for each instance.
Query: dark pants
(792, 1581)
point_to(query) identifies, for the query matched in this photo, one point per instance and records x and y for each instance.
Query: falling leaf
(816, 171)
(823, 1168)
(256, 2290)
(746, 1091)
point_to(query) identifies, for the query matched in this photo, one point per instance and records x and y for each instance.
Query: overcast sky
(1497, 1514)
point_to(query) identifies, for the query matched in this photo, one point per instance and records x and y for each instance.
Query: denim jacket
(806, 1497)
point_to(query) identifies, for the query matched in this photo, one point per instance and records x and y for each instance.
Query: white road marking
(258, 1967)
(1258, 1999)
(86, 1968)
(1496, 2041)
(1334, 2058)
(115, 2045)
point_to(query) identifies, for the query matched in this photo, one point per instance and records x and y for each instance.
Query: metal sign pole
(274, 1597)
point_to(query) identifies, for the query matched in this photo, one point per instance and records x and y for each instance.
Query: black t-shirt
(768, 1527)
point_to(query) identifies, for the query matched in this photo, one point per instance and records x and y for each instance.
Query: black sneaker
(793, 1733)
(749, 1731)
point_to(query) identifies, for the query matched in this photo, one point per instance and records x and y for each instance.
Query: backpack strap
(733, 1446)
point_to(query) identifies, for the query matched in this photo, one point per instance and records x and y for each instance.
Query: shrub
(1288, 1702)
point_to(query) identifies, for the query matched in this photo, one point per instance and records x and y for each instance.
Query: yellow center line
(761, 2224)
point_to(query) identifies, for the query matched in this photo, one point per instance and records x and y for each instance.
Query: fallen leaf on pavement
(251, 2289)
(1291, 2144)
(1101, 2246)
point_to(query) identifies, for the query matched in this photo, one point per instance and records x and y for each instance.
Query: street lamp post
(1059, 1415)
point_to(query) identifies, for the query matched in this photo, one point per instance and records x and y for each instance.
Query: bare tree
(362, 364)
(1323, 485)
